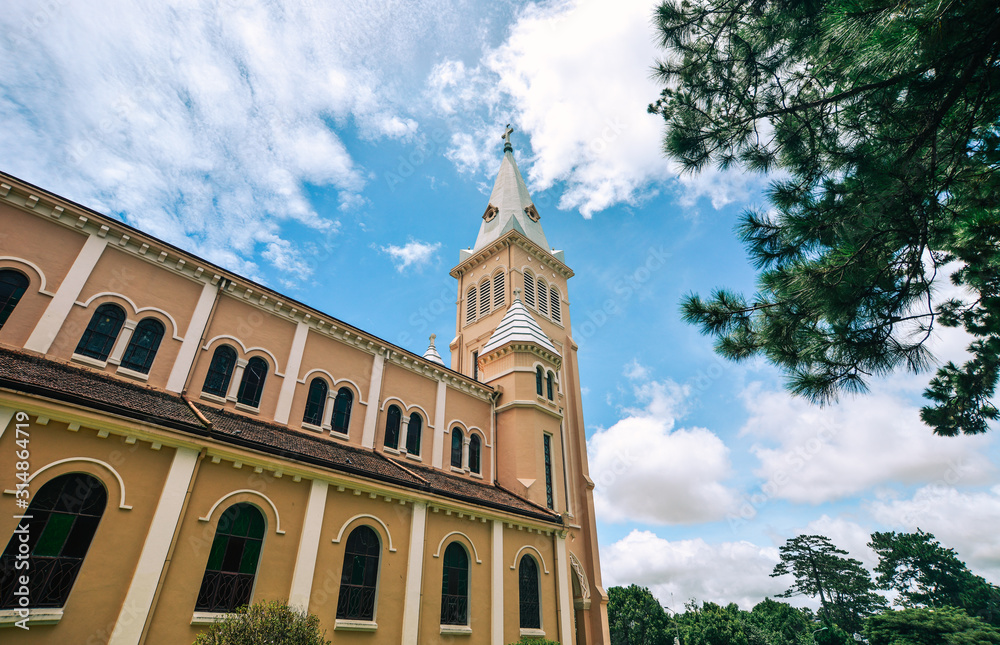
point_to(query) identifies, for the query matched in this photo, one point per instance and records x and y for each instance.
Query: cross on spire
(506, 139)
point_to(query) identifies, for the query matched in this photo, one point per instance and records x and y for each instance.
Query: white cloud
(204, 123)
(646, 470)
(681, 570)
(816, 454)
(966, 521)
(575, 77)
(635, 371)
(413, 253)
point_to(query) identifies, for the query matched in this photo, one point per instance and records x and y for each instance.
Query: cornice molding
(510, 238)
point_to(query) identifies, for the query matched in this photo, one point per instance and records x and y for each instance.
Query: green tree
(712, 624)
(879, 118)
(265, 623)
(926, 626)
(784, 624)
(844, 587)
(636, 618)
(926, 574)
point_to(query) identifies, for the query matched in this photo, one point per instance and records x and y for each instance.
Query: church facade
(177, 440)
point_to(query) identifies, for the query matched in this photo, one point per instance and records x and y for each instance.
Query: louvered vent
(498, 292)
(529, 289)
(543, 298)
(470, 306)
(484, 297)
(554, 301)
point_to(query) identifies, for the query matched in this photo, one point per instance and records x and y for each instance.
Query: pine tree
(880, 119)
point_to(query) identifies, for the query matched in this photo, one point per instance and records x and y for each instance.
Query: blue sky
(343, 153)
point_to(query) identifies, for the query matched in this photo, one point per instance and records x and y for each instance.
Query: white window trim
(86, 360)
(41, 616)
(533, 633)
(124, 371)
(247, 408)
(208, 617)
(213, 397)
(456, 630)
(344, 624)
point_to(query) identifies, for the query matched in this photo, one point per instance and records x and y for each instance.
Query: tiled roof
(34, 375)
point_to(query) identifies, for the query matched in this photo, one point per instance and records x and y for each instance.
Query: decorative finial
(506, 139)
(433, 336)
(517, 294)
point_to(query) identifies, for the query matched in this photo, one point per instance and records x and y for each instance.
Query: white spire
(518, 326)
(431, 353)
(510, 206)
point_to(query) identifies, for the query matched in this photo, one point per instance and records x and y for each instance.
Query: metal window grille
(548, 472)
(359, 579)
(232, 562)
(528, 599)
(62, 520)
(143, 345)
(455, 586)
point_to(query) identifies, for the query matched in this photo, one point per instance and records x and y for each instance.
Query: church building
(177, 441)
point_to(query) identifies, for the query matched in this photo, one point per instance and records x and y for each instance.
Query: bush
(265, 623)
(527, 640)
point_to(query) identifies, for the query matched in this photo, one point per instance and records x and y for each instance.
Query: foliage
(879, 118)
(926, 574)
(635, 617)
(265, 623)
(844, 587)
(927, 626)
(713, 624)
(783, 623)
(526, 640)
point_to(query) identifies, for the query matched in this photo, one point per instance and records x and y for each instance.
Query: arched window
(359, 580)
(548, 386)
(498, 290)
(554, 301)
(13, 284)
(456, 447)
(484, 297)
(393, 416)
(528, 598)
(253, 382)
(102, 332)
(232, 562)
(455, 586)
(475, 454)
(220, 370)
(61, 520)
(316, 402)
(143, 345)
(342, 410)
(543, 297)
(538, 380)
(413, 434)
(470, 306)
(529, 288)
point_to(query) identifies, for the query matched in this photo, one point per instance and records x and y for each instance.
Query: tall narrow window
(498, 290)
(470, 306)
(455, 586)
(413, 434)
(342, 410)
(475, 366)
(220, 370)
(61, 520)
(253, 382)
(475, 454)
(102, 332)
(529, 289)
(316, 402)
(143, 345)
(456, 447)
(484, 297)
(538, 380)
(555, 306)
(13, 284)
(359, 580)
(393, 417)
(232, 562)
(528, 599)
(548, 471)
(548, 386)
(543, 297)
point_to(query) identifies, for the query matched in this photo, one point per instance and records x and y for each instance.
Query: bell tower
(513, 333)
